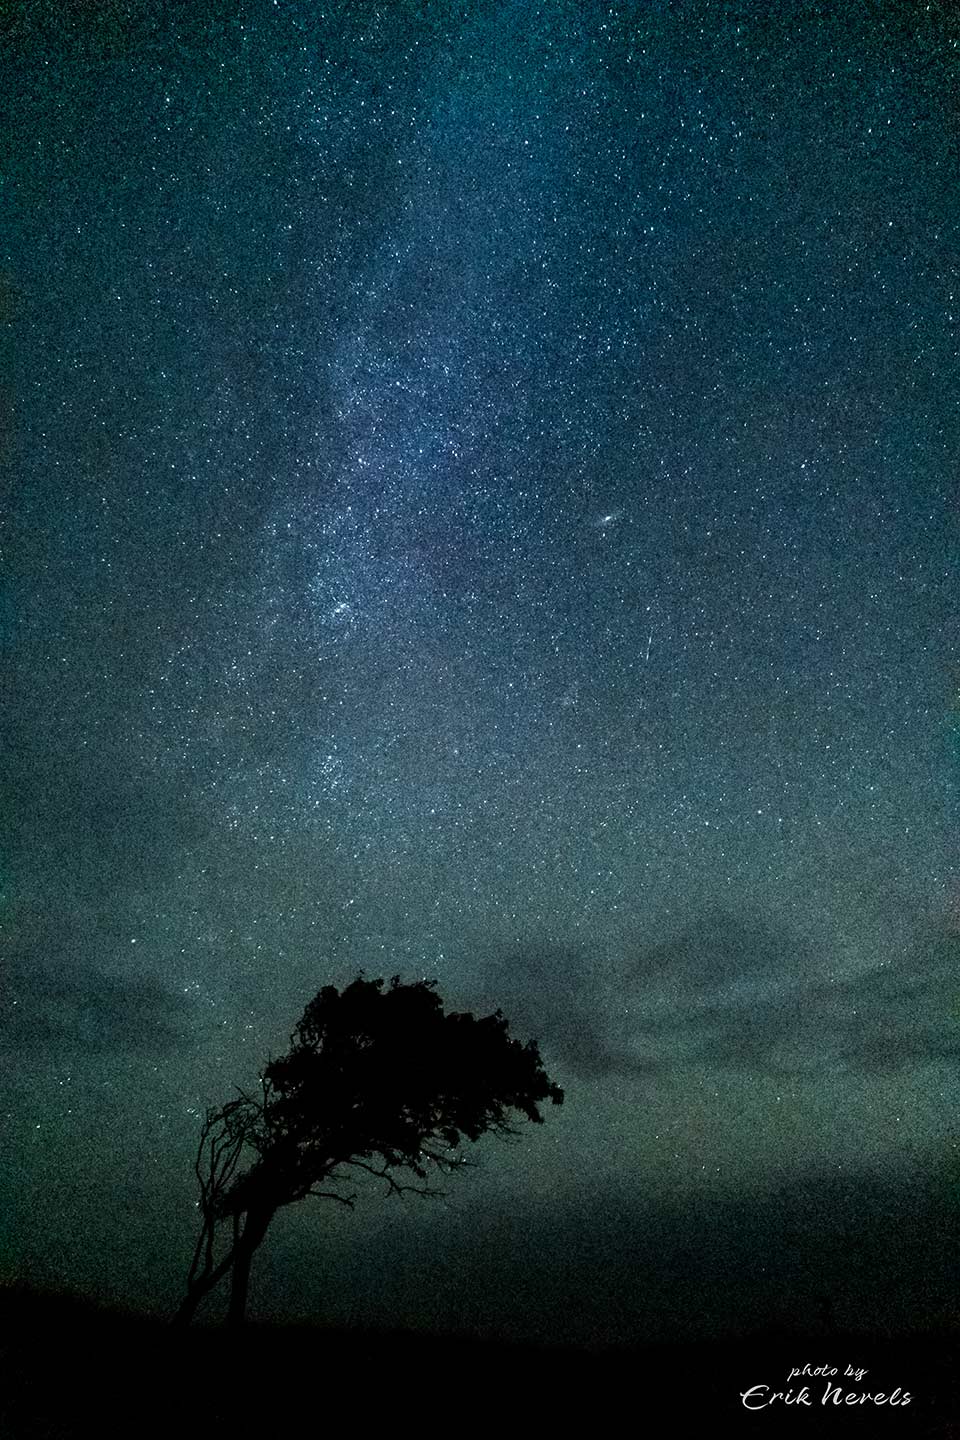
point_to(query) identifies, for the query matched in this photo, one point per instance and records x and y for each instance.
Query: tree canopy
(377, 1080)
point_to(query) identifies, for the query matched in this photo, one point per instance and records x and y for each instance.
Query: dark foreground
(69, 1368)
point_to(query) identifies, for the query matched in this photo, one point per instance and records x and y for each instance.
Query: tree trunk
(239, 1284)
(201, 1287)
(253, 1232)
(188, 1306)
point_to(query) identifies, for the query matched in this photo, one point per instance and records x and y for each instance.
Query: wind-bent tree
(380, 1081)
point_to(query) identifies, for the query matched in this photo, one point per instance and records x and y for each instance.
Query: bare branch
(210, 1226)
(347, 1200)
(394, 1188)
(447, 1162)
(195, 1262)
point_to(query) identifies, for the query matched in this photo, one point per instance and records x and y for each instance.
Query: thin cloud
(735, 995)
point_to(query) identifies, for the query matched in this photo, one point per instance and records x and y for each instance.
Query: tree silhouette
(378, 1081)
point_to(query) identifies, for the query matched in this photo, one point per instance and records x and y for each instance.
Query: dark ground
(71, 1368)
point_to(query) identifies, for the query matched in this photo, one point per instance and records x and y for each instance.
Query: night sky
(484, 506)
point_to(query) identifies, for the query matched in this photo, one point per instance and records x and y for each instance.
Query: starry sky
(485, 508)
